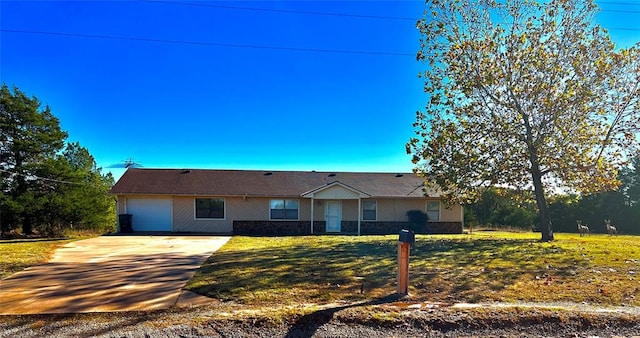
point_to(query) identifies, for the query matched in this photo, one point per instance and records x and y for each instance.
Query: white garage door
(150, 214)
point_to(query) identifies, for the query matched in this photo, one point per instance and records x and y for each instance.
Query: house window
(284, 209)
(211, 208)
(369, 210)
(433, 211)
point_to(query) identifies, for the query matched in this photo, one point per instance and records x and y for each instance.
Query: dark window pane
(369, 215)
(201, 213)
(210, 208)
(216, 214)
(277, 214)
(291, 214)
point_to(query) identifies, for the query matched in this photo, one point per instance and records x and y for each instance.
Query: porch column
(359, 213)
(311, 215)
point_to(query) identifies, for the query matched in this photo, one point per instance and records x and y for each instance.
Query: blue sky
(234, 85)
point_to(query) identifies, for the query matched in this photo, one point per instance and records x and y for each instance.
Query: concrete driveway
(110, 273)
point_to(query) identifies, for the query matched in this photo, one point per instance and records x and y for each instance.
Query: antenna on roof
(128, 163)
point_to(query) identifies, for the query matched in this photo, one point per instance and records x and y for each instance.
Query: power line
(621, 29)
(41, 178)
(618, 3)
(288, 11)
(203, 43)
(618, 11)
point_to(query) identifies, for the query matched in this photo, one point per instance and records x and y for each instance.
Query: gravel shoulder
(340, 321)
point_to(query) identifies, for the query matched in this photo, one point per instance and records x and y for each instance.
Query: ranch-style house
(254, 202)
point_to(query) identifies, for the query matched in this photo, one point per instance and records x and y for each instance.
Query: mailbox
(407, 236)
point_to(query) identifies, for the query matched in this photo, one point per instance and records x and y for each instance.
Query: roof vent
(332, 175)
(186, 171)
(399, 175)
(268, 174)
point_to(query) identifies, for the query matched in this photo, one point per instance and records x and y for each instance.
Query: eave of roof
(258, 183)
(311, 193)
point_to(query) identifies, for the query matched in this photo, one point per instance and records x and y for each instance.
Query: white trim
(224, 205)
(359, 211)
(312, 193)
(285, 203)
(311, 215)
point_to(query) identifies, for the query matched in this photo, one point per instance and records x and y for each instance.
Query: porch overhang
(336, 191)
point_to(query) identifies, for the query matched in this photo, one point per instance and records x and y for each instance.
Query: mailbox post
(407, 238)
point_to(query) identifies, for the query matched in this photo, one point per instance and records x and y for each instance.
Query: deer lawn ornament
(582, 229)
(611, 230)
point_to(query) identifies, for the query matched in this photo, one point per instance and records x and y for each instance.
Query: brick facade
(297, 228)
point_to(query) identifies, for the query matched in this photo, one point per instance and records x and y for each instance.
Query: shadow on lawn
(364, 269)
(342, 268)
(307, 325)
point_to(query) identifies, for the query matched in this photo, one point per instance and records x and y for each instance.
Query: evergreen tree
(47, 185)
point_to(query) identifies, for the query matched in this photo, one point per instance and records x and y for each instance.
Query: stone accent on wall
(271, 228)
(391, 228)
(444, 227)
(373, 228)
(297, 228)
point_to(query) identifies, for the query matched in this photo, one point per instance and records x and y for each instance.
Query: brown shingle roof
(137, 181)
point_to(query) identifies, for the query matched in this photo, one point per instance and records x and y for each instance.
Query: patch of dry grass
(484, 266)
(18, 254)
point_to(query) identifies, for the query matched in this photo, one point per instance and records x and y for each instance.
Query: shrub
(417, 221)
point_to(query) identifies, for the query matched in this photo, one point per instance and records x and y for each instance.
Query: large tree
(524, 95)
(29, 134)
(46, 183)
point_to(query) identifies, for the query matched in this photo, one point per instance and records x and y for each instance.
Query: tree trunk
(27, 227)
(543, 209)
(538, 187)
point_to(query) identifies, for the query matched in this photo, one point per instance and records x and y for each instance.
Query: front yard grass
(18, 254)
(482, 267)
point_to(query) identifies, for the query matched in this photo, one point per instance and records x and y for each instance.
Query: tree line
(502, 207)
(48, 185)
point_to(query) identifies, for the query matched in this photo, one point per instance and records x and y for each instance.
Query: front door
(333, 216)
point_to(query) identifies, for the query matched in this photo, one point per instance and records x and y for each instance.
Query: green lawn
(18, 254)
(485, 266)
